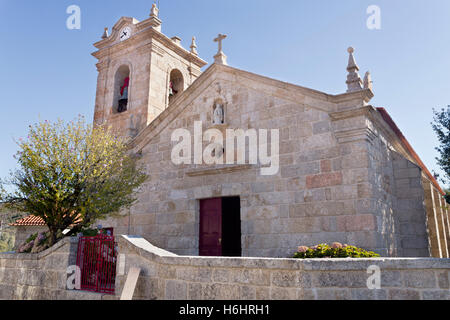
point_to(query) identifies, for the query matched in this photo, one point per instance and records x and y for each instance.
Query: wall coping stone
(149, 251)
(40, 255)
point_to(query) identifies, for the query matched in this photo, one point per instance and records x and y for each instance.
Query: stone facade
(346, 173)
(169, 277)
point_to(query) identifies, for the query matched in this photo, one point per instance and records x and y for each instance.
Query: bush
(89, 232)
(35, 243)
(7, 239)
(336, 250)
(31, 238)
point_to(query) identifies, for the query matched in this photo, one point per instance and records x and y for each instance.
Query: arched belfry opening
(176, 84)
(121, 89)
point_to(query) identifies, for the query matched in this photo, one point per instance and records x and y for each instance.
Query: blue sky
(47, 71)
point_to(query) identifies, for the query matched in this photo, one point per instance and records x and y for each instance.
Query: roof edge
(387, 118)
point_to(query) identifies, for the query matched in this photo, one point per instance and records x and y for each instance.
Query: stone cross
(220, 57)
(219, 39)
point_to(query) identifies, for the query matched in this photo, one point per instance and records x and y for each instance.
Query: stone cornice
(168, 43)
(142, 33)
(379, 127)
(365, 95)
(362, 111)
(355, 134)
(102, 64)
(217, 170)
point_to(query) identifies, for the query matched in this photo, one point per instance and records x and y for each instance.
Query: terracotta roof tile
(29, 221)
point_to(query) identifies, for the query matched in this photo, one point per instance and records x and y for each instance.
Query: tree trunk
(53, 234)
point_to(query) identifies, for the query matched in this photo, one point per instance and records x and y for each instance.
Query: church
(342, 169)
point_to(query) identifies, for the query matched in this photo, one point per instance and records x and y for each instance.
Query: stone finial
(354, 82)
(194, 47)
(368, 83)
(155, 11)
(154, 20)
(220, 57)
(105, 34)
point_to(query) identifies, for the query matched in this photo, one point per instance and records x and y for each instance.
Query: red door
(210, 227)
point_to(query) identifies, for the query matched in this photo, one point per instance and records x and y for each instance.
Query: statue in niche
(218, 114)
(123, 101)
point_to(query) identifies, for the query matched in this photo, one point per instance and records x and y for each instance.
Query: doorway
(220, 227)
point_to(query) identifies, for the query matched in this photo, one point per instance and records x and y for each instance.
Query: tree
(71, 175)
(441, 126)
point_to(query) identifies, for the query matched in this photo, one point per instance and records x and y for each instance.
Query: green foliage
(337, 250)
(71, 175)
(31, 238)
(7, 241)
(441, 126)
(89, 232)
(35, 243)
(447, 196)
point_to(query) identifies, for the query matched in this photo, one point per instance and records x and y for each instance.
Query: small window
(176, 84)
(121, 89)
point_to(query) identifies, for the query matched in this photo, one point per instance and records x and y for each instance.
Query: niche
(121, 89)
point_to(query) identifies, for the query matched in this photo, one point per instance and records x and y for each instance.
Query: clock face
(125, 33)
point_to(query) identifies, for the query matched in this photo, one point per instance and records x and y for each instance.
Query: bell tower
(140, 73)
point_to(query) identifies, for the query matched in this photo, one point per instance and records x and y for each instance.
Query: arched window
(121, 89)
(176, 84)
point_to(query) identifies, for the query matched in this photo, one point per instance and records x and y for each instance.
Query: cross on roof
(219, 39)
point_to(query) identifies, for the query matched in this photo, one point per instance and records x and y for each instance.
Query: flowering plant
(336, 250)
(72, 174)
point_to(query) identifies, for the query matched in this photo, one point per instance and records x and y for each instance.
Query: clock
(125, 33)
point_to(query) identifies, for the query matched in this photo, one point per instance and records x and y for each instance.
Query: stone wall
(410, 213)
(24, 232)
(167, 276)
(437, 215)
(41, 276)
(400, 213)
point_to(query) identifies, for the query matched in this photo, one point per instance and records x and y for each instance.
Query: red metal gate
(96, 258)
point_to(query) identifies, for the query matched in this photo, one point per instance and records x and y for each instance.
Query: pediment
(124, 21)
(115, 32)
(216, 76)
